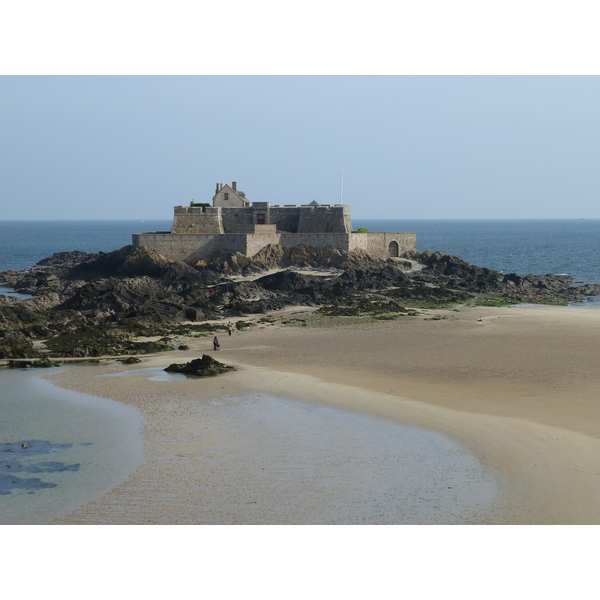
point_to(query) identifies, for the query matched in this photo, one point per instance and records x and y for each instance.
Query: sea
(81, 446)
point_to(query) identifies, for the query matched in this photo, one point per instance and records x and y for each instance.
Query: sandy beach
(512, 390)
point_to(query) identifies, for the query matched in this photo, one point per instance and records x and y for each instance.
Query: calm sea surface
(23, 243)
(86, 445)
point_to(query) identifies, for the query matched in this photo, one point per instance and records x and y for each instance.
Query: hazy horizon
(412, 147)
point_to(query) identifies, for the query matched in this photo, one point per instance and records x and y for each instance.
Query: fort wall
(232, 225)
(378, 243)
(289, 240)
(190, 247)
(197, 219)
(236, 220)
(285, 218)
(194, 247)
(316, 240)
(290, 219)
(324, 219)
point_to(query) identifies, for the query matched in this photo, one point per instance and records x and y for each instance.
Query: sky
(124, 109)
(129, 147)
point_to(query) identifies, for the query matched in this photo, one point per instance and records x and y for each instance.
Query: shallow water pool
(80, 446)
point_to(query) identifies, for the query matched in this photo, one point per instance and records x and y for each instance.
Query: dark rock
(44, 363)
(12, 347)
(288, 281)
(268, 257)
(131, 360)
(41, 303)
(200, 367)
(209, 277)
(67, 259)
(193, 314)
(99, 305)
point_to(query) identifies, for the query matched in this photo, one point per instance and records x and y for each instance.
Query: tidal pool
(81, 446)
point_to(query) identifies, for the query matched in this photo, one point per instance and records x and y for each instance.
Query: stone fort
(234, 224)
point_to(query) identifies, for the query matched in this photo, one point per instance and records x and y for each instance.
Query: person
(216, 345)
(229, 327)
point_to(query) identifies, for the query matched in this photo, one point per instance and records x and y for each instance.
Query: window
(226, 196)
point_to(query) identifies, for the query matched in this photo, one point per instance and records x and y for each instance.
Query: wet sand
(515, 387)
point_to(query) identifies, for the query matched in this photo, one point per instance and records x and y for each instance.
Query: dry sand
(516, 388)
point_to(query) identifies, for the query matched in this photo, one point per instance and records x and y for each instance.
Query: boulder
(131, 360)
(206, 366)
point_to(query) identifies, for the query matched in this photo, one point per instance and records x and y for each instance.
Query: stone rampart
(288, 240)
(378, 243)
(236, 220)
(197, 219)
(324, 219)
(190, 247)
(285, 218)
(291, 219)
(316, 240)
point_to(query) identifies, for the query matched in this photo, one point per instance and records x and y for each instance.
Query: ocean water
(24, 243)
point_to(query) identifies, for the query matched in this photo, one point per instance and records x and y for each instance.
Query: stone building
(234, 224)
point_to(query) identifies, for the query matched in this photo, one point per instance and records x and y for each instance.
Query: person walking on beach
(216, 345)
(229, 327)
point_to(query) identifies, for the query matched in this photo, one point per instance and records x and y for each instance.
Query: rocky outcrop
(206, 366)
(15, 347)
(92, 305)
(455, 273)
(269, 257)
(275, 256)
(68, 259)
(96, 305)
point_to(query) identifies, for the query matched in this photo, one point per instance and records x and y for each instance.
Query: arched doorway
(393, 248)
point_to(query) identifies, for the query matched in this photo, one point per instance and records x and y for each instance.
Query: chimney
(234, 186)
(217, 189)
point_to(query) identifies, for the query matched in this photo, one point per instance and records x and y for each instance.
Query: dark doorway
(260, 219)
(393, 248)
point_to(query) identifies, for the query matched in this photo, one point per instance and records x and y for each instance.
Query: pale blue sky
(96, 147)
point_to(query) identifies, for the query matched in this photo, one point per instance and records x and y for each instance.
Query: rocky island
(134, 300)
(206, 366)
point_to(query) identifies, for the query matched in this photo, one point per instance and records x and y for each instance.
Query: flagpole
(342, 185)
